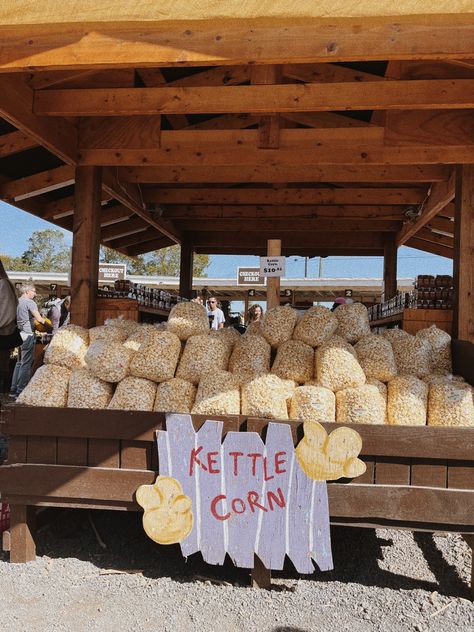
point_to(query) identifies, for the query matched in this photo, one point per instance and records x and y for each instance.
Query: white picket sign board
(248, 497)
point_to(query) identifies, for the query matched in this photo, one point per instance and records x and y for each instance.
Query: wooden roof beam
(442, 193)
(131, 141)
(303, 252)
(288, 224)
(296, 196)
(123, 229)
(265, 173)
(52, 35)
(129, 195)
(264, 99)
(326, 73)
(16, 106)
(435, 238)
(335, 213)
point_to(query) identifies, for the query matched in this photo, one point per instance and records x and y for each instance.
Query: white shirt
(218, 315)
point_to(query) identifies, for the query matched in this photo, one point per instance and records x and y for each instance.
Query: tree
(164, 262)
(13, 263)
(47, 252)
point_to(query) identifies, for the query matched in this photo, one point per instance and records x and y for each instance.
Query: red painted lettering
(252, 498)
(279, 462)
(211, 461)
(253, 457)
(278, 500)
(214, 504)
(234, 505)
(235, 456)
(193, 459)
(265, 473)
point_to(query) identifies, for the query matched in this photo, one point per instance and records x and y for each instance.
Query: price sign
(272, 266)
(348, 293)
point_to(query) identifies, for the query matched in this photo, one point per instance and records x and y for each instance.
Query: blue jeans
(22, 372)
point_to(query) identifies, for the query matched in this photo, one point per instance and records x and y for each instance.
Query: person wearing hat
(340, 300)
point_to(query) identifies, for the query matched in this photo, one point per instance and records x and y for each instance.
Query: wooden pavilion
(339, 128)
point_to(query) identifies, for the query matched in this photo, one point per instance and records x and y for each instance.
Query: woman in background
(255, 313)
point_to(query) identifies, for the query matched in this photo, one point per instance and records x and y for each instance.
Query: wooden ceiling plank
(148, 246)
(129, 195)
(442, 193)
(293, 196)
(37, 184)
(442, 224)
(114, 214)
(16, 105)
(131, 240)
(63, 206)
(434, 249)
(332, 212)
(112, 78)
(295, 173)
(55, 44)
(268, 136)
(264, 99)
(14, 143)
(435, 238)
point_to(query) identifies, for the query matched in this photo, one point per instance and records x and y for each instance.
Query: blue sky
(16, 227)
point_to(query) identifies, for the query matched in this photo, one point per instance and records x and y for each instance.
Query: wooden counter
(412, 320)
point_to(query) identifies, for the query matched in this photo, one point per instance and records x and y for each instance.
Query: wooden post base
(261, 576)
(470, 540)
(22, 531)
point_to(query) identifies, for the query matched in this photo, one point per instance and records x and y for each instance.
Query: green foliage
(14, 263)
(47, 252)
(164, 262)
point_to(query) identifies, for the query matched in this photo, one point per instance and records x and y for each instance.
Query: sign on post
(348, 293)
(110, 272)
(250, 276)
(272, 266)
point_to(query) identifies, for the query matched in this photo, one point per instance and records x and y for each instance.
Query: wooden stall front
(335, 128)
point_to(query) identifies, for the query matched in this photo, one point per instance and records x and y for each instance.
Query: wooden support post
(470, 540)
(246, 306)
(22, 531)
(273, 283)
(85, 245)
(390, 267)
(261, 576)
(186, 267)
(463, 323)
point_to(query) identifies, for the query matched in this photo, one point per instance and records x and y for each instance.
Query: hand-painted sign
(110, 272)
(249, 276)
(245, 497)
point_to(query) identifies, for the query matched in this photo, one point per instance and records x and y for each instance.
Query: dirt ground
(383, 580)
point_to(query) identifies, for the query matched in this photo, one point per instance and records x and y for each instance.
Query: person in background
(255, 313)
(215, 315)
(65, 312)
(26, 314)
(340, 300)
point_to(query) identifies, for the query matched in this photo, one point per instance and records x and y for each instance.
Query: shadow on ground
(356, 551)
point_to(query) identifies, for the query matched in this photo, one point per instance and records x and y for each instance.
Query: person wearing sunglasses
(215, 315)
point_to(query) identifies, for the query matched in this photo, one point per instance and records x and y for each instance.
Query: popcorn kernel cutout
(325, 457)
(168, 517)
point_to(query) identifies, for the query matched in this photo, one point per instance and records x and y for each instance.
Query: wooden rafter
(15, 142)
(369, 95)
(442, 193)
(286, 225)
(129, 195)
(37, 184)
(427, 246)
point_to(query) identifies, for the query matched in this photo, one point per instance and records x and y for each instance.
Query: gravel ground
(384, 580)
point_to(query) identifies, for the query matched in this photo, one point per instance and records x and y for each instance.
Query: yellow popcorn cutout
(325, 457)
(168, 517)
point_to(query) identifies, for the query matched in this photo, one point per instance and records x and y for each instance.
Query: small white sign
(272, 266)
